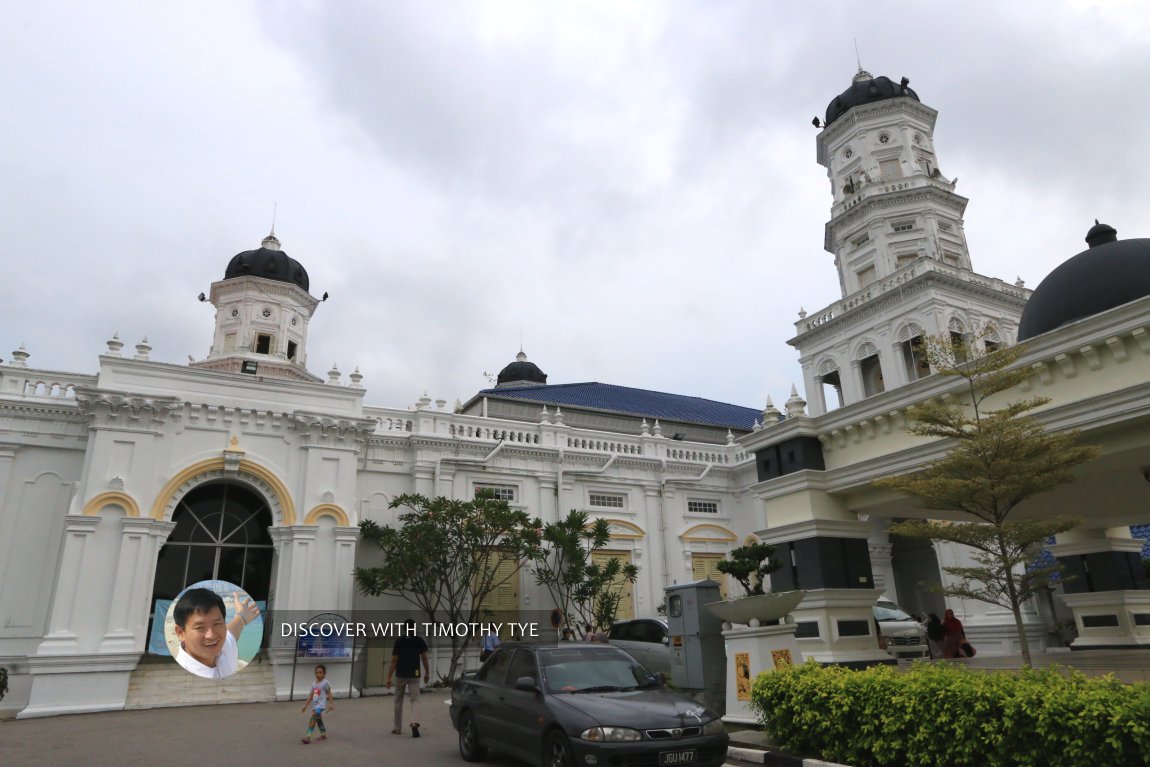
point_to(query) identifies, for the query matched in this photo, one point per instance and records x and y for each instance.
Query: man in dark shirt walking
(409, 650)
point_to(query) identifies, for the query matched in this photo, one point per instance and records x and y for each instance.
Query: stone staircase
(159, 682)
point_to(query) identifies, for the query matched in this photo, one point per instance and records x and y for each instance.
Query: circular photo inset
(213, 629)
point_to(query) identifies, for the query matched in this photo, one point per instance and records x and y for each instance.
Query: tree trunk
(1015, 605)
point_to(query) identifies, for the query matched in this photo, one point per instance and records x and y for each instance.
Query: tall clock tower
(896, 232)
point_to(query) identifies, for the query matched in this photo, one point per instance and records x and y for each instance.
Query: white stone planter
(758, 609)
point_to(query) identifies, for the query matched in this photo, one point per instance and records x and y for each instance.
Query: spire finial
(275, 208)
(858, 59)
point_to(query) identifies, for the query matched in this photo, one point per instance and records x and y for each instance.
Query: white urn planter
(756, 609)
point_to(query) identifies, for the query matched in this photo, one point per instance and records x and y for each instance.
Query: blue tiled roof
(637, 402)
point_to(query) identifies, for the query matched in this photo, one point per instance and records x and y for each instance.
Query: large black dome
(1111, 272)
(268, 262)
(866, 90)
(521, 372)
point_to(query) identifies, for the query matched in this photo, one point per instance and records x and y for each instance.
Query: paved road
(248, 734)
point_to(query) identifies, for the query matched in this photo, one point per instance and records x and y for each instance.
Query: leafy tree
(584, 590)
(750, 565)
(1001, 457)
(445, 557)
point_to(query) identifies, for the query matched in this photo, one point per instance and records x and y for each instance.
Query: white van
(905, 637)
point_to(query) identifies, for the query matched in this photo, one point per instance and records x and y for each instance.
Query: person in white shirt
(207, 644)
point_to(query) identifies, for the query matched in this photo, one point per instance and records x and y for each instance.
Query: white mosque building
(121, 486)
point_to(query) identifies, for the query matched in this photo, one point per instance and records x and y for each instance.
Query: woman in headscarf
(953, 636)
(935, 636)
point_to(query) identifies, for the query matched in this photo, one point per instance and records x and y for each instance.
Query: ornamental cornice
(322, 430)
(241, 288)
(850, 122)
(43, 411)
(377, 440)
(111, 409)
(865, 206)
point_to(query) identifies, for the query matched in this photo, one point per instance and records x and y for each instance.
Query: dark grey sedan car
(568, 704)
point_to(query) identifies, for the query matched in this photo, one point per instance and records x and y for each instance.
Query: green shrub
(939, 714)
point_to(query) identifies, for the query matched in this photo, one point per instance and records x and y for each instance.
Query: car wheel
(556, 751)
(469, 746)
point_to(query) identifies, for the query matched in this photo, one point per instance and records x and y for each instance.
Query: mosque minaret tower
(896, 232)
(262, 311)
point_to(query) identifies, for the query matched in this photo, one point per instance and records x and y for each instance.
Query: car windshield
(592, 669)
(889, 611)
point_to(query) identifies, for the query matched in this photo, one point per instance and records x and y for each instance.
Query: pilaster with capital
(346, 540)
(140, 543)
(295, 552)
(61, 639)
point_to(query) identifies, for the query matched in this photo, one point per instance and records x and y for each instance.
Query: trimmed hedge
(941, 714)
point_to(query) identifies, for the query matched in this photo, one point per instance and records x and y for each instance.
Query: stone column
(549, 510)
(295, 547)
(346, 539)
(140, 542)
(61, 639)
(424, 475)
(660, 578)
(818, 403)
(7, 457)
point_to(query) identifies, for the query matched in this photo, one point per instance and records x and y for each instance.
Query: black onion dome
(268, 262)
(1111, 272)
(521, 371)
(867, 90)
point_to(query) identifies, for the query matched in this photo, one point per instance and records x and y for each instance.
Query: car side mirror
(666, 640)
(527, 684)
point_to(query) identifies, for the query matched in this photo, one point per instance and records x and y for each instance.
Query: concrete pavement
(248, 734)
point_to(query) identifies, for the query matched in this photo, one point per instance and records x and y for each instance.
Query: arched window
(221, 534)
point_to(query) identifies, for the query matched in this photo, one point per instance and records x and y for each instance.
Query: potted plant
(750, 565)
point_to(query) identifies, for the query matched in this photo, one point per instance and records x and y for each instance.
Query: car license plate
(687, 756)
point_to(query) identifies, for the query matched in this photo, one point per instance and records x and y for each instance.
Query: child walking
(320, 700)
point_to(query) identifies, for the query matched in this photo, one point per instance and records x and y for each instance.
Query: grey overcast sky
(628, 188)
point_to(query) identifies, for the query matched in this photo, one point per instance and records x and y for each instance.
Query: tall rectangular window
(889, 169)
(866, 276)
(263, 344)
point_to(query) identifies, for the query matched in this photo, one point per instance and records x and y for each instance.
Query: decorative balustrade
(514, 436)
(41, 384)
(488, 430)
(605, 446)
(895, 281)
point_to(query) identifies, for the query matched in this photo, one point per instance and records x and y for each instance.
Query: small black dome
(268, 262)
(1111, 272)
(866, 90)
(521, 372)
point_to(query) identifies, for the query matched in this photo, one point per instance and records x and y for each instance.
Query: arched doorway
(221, 533)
